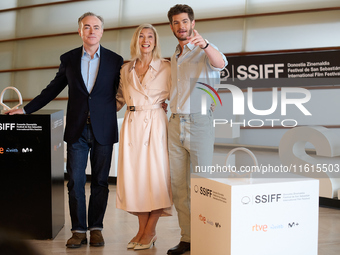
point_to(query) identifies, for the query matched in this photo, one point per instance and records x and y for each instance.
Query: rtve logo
(202, 218)
(1, 150)
(265, 227)
(207, 221)
(258, 228)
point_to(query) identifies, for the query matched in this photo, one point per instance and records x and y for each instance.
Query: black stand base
(329, 202)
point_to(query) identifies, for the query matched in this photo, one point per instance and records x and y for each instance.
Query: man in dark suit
(92, 75)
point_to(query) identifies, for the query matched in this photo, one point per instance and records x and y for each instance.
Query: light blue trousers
(191, 144)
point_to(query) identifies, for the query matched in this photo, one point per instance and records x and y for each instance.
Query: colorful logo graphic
(266, 228)
(204, 98)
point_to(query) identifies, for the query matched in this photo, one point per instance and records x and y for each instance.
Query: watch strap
(206, 46)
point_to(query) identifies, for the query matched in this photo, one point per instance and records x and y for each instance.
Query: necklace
(140, 69)
(141, 76)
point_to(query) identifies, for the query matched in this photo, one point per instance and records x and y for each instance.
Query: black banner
(283, 70)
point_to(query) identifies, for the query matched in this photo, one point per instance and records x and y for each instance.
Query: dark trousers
(100, 158)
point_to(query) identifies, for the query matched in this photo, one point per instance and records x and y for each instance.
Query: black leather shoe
(180, 248)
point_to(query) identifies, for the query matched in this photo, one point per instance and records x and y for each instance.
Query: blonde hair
(134, 45)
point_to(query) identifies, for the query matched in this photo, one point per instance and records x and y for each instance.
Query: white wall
(277, 32)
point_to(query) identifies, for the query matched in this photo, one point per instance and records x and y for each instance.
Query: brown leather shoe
(96, 238)
(76, 240)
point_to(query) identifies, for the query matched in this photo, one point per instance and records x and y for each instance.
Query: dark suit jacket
(101, 102)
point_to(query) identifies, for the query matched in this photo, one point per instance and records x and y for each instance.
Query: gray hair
(90, 14)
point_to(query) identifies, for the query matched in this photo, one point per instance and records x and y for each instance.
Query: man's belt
(88, 120)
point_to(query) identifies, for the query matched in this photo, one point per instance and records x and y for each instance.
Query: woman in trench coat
(143, 178)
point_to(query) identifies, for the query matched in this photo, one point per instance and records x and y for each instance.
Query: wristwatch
(206, 46)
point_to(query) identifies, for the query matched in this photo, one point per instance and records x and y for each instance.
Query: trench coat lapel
(151, 74)
(133, 79)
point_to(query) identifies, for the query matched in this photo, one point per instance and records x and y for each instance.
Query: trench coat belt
(143, 107)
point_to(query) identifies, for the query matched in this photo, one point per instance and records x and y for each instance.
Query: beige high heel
(131, 245)
(146, 246)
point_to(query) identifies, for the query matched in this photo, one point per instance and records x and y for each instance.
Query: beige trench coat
(143, 176)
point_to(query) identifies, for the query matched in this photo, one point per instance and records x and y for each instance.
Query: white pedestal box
(261, 216)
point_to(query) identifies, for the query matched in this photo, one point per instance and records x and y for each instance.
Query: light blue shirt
(186, 70)
(89, 68)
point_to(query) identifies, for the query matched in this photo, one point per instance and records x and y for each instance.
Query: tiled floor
(120, 227)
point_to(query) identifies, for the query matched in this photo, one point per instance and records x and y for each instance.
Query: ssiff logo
(7, 126)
